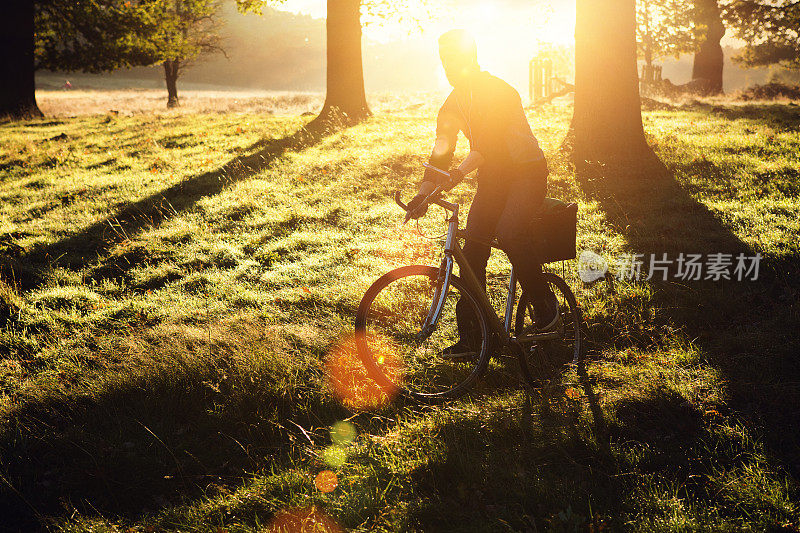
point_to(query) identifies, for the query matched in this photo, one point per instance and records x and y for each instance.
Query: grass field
(172, 285)
(127, 102)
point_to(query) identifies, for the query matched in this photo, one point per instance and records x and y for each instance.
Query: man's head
(459, 55)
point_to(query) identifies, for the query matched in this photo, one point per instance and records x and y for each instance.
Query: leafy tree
(98, 36)
(89, 35)
(185, 31)
(345, 97)
(93, 36)
(663, 28)
(17, 92)
(709, 31)
(674, 27)
(345, 100)
(770, 29)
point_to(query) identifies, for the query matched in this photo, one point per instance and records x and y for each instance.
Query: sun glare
(517, 23)
(509, 33)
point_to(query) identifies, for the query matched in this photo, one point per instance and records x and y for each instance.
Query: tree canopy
(186, 28)
(770, 29)
(664, 28)
(94, 36)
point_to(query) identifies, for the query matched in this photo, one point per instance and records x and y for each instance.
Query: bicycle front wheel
(390, 318)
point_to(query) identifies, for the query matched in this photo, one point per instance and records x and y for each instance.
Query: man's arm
(448, 123)
(474, 160)
(447, 126)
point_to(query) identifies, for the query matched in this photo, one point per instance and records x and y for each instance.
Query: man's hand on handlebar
(417, 207)
(434, 182)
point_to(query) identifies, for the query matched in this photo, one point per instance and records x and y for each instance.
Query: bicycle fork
(451, 251)
(439, 296)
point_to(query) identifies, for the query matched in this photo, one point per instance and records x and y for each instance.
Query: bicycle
(410, 312)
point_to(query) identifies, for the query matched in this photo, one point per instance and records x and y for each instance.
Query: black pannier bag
(554, 231)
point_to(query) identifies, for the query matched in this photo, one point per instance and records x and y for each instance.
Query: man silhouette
(512, 176)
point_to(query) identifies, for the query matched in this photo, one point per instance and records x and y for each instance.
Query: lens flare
(334, 456)
(343, 433)
(326, 481)
(573, 394)
(304, 520)
(348, 377)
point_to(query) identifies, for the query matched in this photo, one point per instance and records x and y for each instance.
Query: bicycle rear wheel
(390, 317)
(546, 356)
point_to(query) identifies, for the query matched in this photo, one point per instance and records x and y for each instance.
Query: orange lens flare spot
(348, 377)
(326, 481)
(305, 520)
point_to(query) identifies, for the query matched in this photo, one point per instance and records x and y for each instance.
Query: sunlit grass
(174, 379)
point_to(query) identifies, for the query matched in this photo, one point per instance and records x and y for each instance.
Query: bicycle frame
(454, 254)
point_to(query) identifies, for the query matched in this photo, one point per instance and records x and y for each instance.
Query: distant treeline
(285, 51)
(279, 51)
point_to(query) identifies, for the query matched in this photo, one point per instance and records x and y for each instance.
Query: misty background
(284, 51)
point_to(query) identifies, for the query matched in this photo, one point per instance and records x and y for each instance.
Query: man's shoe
(460, 350)
(547, 314)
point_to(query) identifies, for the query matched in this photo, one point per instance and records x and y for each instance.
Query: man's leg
(477, 256)
(481, 222)
(524, 201)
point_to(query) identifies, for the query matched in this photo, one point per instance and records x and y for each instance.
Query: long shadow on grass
(749, 330)
(84, 246)
(553, 469)
(777, 116)
(191, 427)
(502, 471)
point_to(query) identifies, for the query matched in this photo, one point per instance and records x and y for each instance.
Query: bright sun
(517, 22)
(508, 32)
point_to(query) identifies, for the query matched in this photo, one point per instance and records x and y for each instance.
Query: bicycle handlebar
(398, 202)
(432, 198)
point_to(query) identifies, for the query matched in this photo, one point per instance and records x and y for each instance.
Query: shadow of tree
(544, 470)
(777, 116)
(85, 245)
(749, 330)
(148, 441)
(154, 440)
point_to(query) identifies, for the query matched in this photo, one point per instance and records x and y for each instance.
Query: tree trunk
(709, 59)
(18, 90)
(345, 101)
(648, 38)
(171, 77)
(607, 118)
